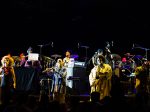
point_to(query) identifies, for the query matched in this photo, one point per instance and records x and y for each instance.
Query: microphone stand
(41, 46)
(40, 57)
(86, 47)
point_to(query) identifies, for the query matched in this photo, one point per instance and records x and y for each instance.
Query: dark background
(68, 23)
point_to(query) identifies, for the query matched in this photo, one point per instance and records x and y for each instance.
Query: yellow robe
(103, 83)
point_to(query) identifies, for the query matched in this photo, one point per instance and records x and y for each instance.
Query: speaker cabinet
(81, 80)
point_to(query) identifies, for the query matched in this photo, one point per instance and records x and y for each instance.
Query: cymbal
(47, 58)
(56, 56)
(14, 56)
(116, 57)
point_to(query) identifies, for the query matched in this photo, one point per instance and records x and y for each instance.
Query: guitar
(62, 72)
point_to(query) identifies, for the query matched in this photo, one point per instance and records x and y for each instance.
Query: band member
(22, 59)
(8, 79)
(58, 74)
(142, 78)
(100, 78)
(130, 61)
(93, 61)
(142, 73)
(59, 82)
(30, 50)
(67, 58)
(94, 58)
(127, 66)
(68, 64)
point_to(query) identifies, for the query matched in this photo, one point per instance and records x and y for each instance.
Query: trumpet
(48, 70)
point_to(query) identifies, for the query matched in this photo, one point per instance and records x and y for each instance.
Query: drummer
(128, 62)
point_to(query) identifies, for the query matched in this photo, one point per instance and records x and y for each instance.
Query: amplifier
(79, 64)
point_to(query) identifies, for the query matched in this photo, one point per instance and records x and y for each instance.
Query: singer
(7, 80)
(100, 78)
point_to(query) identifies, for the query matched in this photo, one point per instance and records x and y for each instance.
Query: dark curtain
(26, 79)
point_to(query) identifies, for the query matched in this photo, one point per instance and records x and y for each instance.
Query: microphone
(5, 64)
(112, 43)
(133, 46)
(78, 45)
(52, 44)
